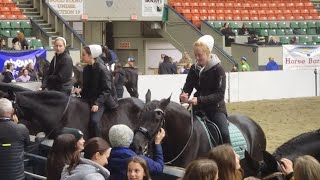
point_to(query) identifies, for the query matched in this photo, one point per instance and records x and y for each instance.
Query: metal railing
(40, 33)
(60, 26)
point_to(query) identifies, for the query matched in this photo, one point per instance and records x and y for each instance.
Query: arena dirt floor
(282, 119)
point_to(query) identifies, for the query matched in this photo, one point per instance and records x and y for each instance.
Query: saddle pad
(237, 140)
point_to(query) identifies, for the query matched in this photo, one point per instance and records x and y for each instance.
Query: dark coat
(210, 84)
(60, 73)
(13, 139)
(119, 78)
(7, 76)
(166, 67)
(98, 86)
(24, 44)
(119, 158)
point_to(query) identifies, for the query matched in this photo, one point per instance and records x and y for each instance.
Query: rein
(47, 135)
(189, 139)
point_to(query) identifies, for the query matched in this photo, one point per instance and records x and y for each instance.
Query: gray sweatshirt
(86, 170)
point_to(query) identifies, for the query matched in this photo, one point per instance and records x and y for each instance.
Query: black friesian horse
(186, 139)
(131, 75)
(304, 144)
(49, 111)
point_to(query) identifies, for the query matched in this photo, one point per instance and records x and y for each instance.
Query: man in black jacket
(13, 139)
(98, 87)
(166, 67)
(60, 72)
(208, 77)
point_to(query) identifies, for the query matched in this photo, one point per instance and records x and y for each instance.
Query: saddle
(238, 141)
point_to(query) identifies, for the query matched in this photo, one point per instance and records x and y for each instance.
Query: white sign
(301, 57)
(68, 7)
(152, 8)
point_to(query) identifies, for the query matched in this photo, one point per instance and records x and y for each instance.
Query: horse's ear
(270, 160)
(251, 162)
(164, 103)
(148, 96)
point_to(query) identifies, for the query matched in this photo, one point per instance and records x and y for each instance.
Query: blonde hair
(20, 36)
(203, 46)
(306, 167)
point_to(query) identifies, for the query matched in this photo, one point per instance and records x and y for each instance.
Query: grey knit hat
(120, 136)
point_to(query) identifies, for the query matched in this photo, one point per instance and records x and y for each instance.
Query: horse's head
(269, 168)
(42, 66)
(152, 119)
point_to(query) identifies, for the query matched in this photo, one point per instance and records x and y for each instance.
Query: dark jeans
(220, 119)
(95, 122)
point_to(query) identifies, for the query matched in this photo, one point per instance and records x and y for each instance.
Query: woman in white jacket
(96, 154)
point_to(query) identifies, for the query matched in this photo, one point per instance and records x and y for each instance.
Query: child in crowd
(96, 154)
(228, 162)
(203, 169)
(138, 169)
(24, 77)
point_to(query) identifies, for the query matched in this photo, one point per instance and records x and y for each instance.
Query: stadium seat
(12, 17)
(308, 17)
(281, 6)
(25, 25)
(195, 12)
(303, 25)
(273, 6)
(234, 25)
(272, 32)
(37, 44)
(284, 40)
(289, 31)
(302, 31)
(194, 5)
(237, 18)
(256, 25)
(22, 17)
(311, 43)
(5, 11)
(282, 25)
(273, 25)
(15, 25)
(294, 25)
(13, 33)
(313, 12)
(264, 25)
(5, 25)
(303, 39)
(311, 31)
(280, 32)
(196, 21)
(5, 33)
(249, 24)
(3, 16)
(254, 18)
(264, 32)
(235, 31)
(281, 17)
(245, 18)
(298, 17)
(212, 18)
(15, 11)
(316, 39)
(217, 25)
(27, 32)
(299, 5)
(244, 12)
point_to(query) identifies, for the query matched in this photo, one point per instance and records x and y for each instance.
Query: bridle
(16, 109)
(272, 175)
(145, 132)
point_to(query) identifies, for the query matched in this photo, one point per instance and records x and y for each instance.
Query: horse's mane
(288, 146)
(173, 106)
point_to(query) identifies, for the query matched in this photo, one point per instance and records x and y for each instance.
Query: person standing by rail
(208, 77)
(60, 72)
(13, 140)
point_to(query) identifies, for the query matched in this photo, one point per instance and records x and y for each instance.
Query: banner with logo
(20, 58)
(152, 8)
(301, 57)
(67, 7)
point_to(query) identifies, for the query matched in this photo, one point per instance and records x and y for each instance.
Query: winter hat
(76, 132)
(208, 41)
(61, 38)
(271, 58)
(130, 59)
(96, 50)
(120, 136)
(244, 58)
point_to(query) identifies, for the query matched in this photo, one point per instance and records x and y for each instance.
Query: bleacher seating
(255, 10)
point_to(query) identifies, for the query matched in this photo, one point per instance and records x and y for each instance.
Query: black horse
(304, 144)
(131, 75)
(186, 139)
(49, 111)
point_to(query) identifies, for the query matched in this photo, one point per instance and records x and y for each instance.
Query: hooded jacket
(60, 73)
(210, 83)
(86, 170)
(119, 158)
(7, 76)
(272, 66)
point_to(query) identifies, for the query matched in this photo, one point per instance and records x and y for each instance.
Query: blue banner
(20, 58)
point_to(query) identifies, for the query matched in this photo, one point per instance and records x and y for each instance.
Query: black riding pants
(220, 119)
(95, 122)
